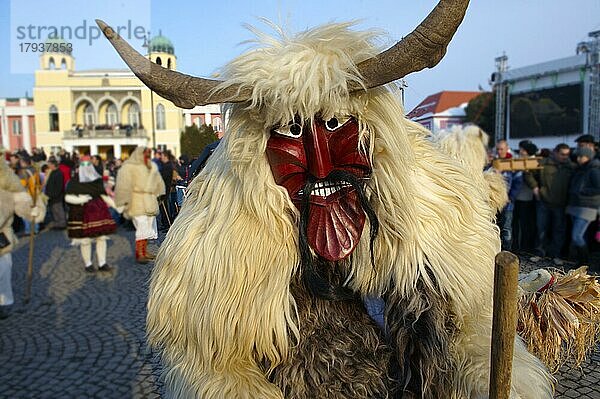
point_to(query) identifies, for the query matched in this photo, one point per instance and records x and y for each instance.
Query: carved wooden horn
(424, 47)
(183, 90)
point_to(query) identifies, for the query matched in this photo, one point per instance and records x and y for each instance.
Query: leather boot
(148, 255)
(139, 252)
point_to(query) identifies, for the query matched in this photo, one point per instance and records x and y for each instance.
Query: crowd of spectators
(553, 210)
(56, 169)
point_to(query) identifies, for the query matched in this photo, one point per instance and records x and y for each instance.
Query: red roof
(442, 101)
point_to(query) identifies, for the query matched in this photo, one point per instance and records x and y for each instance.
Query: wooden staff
(31, 241)
(504, 325)
(163, 203)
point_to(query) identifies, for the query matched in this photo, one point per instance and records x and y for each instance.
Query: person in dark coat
(199, 163)
(56, 196)
(550, 187)
(524, 210)
(166, 172)
(584, 201)
(514, 181)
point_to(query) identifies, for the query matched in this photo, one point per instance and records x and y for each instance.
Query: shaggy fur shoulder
(14, 199)
(498, 190)
(9, 180)
(469, 146)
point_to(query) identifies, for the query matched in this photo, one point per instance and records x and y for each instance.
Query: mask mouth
(325, 188)
(332, 217)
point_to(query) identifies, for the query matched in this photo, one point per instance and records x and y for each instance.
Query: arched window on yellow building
(160, 117)
(133, 116)
(53, 112)
(112, 115)
(89, 117)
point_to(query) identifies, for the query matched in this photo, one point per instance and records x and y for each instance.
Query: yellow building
(102, 111)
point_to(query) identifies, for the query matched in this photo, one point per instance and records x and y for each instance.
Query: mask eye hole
(336, 122)
(293, 130)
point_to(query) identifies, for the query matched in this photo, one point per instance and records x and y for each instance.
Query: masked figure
(319, 195)
(469, 146)
(137, 188)
(15, 200)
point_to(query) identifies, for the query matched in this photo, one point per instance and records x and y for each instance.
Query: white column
(26, 133)
(93, 149)
(188, 119)
(117, 151)
(207, 119)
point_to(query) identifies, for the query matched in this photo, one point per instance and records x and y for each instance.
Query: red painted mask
(299, 154)
(147, 156)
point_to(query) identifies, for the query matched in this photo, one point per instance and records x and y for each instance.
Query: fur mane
(8, 179)
(220, 307)
(468, 145)
(327, 57)
(137, 156)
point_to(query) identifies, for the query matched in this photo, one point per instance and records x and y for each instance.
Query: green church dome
(161, 44)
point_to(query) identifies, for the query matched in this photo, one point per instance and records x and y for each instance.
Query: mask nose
(317, 150)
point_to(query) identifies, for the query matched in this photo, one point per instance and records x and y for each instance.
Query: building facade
(205, 115)
(103, 111)
(442, 110)
(17, 123)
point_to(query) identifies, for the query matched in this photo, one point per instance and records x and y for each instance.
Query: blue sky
(207, 35)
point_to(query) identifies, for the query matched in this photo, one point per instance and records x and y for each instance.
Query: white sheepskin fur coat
(220, 307)
(468, 145)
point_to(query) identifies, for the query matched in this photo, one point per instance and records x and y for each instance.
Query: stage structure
(550, 102)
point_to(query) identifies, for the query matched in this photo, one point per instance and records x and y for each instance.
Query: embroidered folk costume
(320, 194)
(138, 186)
(89, 218)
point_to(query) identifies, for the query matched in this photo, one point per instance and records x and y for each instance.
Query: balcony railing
(105, 132)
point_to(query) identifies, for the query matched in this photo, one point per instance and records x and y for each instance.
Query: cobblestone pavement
(82, 335)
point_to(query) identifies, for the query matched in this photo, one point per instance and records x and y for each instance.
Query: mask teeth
(326, 188)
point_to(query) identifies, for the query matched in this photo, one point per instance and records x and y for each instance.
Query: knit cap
(585, 152)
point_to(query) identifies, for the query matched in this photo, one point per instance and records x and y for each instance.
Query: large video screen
(547, 112)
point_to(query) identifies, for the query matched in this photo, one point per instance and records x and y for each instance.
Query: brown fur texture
(422, 330)
(341, 352)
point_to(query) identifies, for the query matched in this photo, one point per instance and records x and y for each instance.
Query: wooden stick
(504, 325)
(31, 242)
(165, 210)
